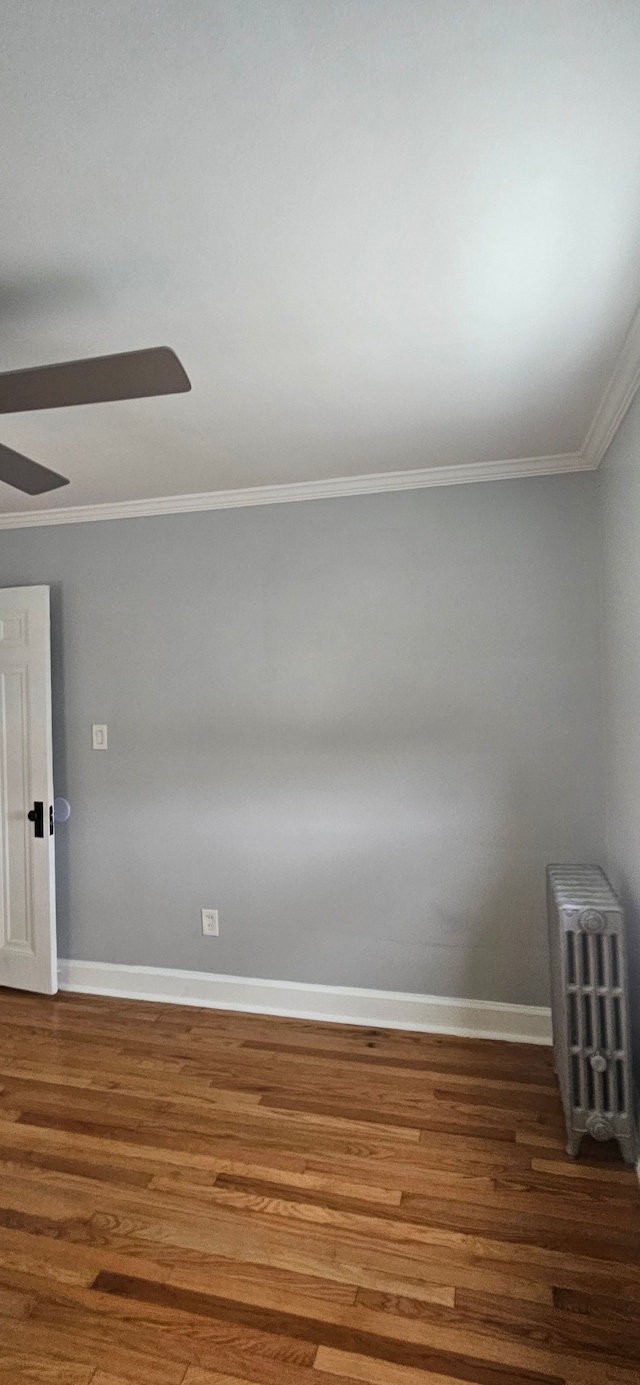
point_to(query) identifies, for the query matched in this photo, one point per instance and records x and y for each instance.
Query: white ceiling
(380, 236)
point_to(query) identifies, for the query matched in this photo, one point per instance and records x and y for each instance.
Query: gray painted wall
(359, 728)
(619, 480)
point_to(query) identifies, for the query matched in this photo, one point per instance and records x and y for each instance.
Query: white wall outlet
(99, 737)
(210, 923)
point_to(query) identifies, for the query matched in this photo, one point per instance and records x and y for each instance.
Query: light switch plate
(99, 737)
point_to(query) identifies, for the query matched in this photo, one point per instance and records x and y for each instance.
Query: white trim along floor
(481, 1019)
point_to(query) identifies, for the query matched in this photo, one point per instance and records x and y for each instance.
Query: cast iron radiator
(590, 1006)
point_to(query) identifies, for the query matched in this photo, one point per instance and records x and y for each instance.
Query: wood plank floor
(190, 1197)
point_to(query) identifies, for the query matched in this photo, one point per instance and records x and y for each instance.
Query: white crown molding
(428, 1014)
(373, 484)
(616, 399)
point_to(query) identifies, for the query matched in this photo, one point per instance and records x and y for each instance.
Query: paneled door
(27, 872)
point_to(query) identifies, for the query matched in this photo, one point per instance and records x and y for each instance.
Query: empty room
(319, 692)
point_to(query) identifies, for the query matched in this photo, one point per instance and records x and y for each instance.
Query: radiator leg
(573, 1144)
(627, 1148)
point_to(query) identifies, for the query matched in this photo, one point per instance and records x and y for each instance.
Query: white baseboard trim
(429, 1014)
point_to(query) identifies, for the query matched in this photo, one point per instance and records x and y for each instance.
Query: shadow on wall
(632, 925)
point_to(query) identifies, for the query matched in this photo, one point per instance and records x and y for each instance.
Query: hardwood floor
(196, 1198)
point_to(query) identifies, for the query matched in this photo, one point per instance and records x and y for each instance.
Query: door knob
(36, 816)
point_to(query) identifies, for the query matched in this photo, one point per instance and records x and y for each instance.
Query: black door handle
(36, 816)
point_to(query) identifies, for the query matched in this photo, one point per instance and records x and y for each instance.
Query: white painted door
(27, 880)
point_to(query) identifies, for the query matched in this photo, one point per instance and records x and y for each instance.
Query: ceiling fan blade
(27, 476)
(96, 380)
